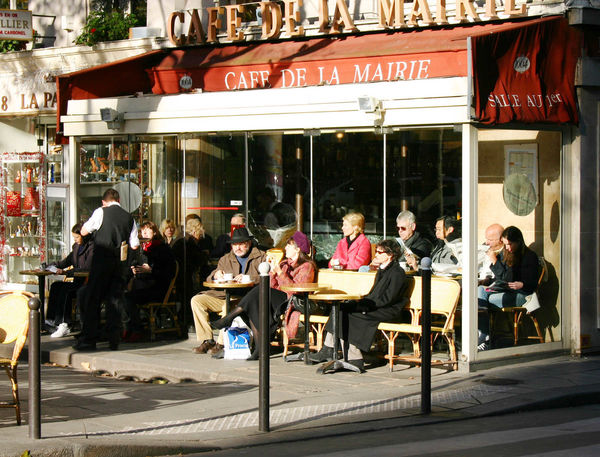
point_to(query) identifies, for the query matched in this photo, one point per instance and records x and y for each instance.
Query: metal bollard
(35, 382)
(426, 336)
(264, 292)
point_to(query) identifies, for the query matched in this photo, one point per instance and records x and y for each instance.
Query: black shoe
(324, 355)
(358, 363)
(254, 356)
(84, 346)
(113, 341)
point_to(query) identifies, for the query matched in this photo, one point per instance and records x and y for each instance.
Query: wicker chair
(14, 324)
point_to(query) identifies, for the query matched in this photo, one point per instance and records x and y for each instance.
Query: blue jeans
(490, 301)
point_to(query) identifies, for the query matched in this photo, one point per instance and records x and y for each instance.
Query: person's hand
(491, 254)
(219, 274)
(59, 271)
(238, 278)
(516, 285)
(411, 261)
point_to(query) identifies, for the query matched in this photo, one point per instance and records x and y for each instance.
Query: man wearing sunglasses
(414, 245)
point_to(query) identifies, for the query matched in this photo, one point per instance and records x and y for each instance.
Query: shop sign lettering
(27, 102)
(284, 19)
(527, 100)
(319, 74)
(15, 25)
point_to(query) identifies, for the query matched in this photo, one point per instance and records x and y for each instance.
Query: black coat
(526, 271)
(359, 320)
(419, 245)
(80, 258)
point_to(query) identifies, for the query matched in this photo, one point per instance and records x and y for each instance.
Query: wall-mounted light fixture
(371, 105)
(114, 119)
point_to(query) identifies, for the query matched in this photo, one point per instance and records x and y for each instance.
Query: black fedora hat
(240, 235)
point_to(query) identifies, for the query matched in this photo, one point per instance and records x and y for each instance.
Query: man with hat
(243, 259)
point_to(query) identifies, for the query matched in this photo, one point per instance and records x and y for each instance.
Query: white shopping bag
(237, 343)
(532, 303)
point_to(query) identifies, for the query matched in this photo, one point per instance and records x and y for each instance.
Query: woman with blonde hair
(354, 250)
(168, 230)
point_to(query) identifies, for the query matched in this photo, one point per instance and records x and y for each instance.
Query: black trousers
(60, 302)
(106, 283)
(278, 303)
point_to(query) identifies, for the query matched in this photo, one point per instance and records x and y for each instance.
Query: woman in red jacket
(354, 250)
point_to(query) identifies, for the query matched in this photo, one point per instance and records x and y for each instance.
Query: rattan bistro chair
(520, 312)
(14, 324)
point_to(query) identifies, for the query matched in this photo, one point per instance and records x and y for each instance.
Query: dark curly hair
(390, 247)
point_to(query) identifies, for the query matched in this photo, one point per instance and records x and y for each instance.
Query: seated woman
(516, 271)
(296, 267)
(354, 250)
(358, 320)
(193, 261)
(152, 276)
(62, 293)
(169, 232)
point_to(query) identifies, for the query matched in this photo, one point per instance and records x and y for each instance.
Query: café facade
(491, 121)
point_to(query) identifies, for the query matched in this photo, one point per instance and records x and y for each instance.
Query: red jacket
(358, 255)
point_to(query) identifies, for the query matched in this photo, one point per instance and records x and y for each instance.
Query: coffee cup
(246, 278)
(228, 276)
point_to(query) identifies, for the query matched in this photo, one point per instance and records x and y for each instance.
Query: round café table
(41, 275)
(302, 290)
(228, 286)
(335, 298)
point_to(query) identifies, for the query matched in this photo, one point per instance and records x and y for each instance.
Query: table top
(227, 285)
(37, 272)
(81, 274)
(332, 295)
(304, 287)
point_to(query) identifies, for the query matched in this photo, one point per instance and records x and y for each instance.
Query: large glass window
(424, 176)
(136, 167)
(520, 186)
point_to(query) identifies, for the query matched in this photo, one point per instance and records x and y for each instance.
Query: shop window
(136, 168)
(214, 180)
(526, 165)
(348, 177)
(424, 176)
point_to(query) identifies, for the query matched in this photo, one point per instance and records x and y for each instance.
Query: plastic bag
(237, 343)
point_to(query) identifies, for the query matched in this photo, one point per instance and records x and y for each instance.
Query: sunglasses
(403, 228)
(378, 251)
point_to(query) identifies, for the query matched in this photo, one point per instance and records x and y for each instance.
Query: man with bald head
(493, 246)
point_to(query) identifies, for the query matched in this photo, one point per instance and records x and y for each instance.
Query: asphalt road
(565, 432)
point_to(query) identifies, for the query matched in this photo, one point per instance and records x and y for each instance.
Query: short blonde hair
(356, 220)
(195, 228)
(165, 224)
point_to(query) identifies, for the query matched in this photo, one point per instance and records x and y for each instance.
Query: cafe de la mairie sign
(278, 21)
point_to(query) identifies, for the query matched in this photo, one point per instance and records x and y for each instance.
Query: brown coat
(229, 264)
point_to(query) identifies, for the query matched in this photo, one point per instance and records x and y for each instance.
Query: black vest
(116, 227)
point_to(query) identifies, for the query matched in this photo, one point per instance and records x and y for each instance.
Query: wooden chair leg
(517, 318)
(540, 335)
(12, 375)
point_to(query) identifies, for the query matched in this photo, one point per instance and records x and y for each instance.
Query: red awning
(527, 75)
(371, 57)
(123, 77)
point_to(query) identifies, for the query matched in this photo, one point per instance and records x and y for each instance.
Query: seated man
(223, 243)
(414, 245)
(448, 249)
(243, 259)
(492, 247)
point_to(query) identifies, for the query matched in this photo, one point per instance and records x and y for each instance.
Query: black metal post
(264, 359)
(35, 384)
(426, 336)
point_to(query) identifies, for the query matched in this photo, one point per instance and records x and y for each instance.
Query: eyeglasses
(402, 228)
(378, 251)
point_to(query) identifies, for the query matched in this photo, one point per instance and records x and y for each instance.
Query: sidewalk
(213, 404)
